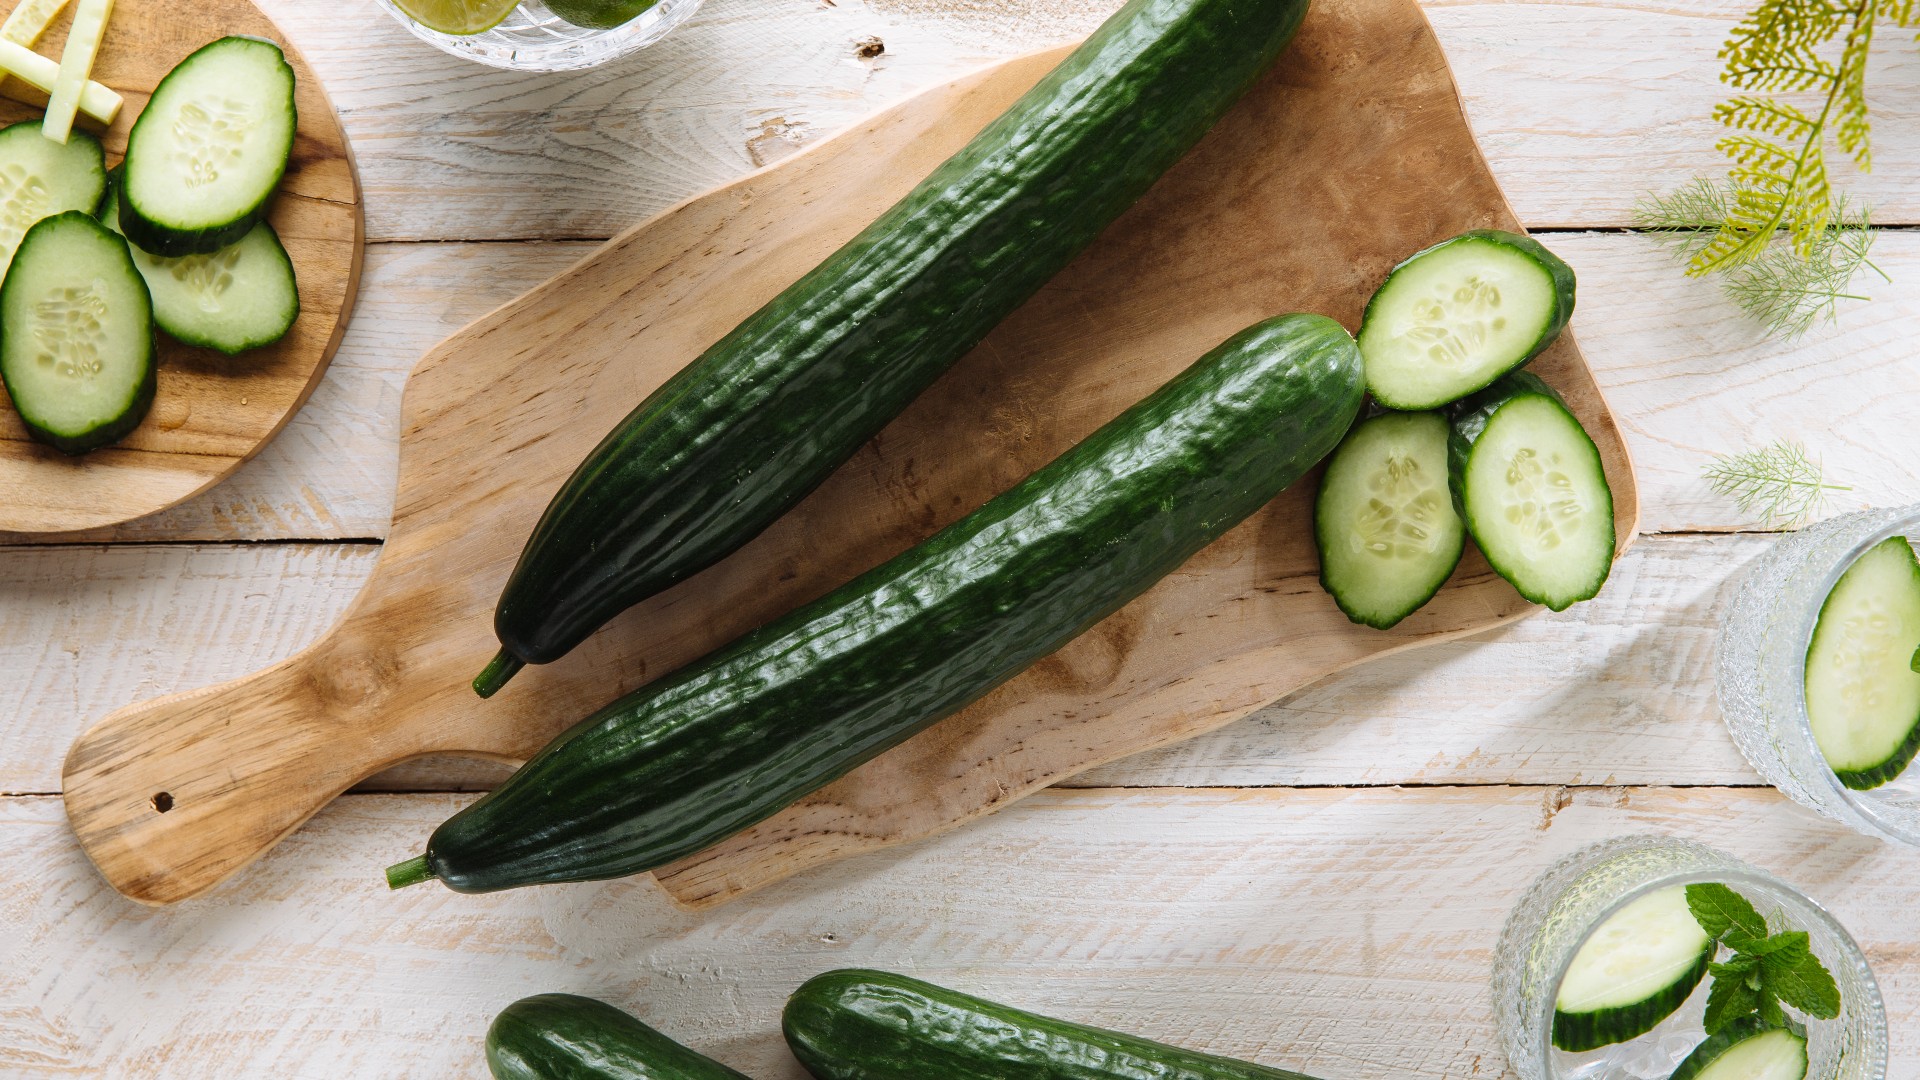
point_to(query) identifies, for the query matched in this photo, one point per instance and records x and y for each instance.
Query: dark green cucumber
(756, 422)
(1748, 1049)
(734, 737)
(871, 1025)
(568, 1037)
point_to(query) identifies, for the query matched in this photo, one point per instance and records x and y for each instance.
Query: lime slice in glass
(599, 14)
(457, 16)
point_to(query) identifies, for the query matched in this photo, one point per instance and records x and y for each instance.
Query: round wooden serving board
(212, 412)
(1350, 155)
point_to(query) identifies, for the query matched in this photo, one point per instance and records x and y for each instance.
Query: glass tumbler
(1762, 666)
(534, 39)
(1572, 898)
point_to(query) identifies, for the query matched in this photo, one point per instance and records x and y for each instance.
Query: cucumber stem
(412, 872)
(502, 667)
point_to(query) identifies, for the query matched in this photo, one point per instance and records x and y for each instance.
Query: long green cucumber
(752, 425)
(871, 1025)
(732, 738)
(569, 1037)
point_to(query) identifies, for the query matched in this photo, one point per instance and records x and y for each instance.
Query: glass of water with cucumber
(1817, 674)
(540, 35)
(1654, 958)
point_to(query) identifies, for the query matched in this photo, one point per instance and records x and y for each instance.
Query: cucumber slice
(1632, 972)
(40, 178)
(1455, 317)
(205, 156)
(1529, 483)
(1863, 696)
(76, 334)
(1748, 1049)
(238, 298)
(1384, 521)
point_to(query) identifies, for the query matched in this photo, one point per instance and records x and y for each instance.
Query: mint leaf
(1727, 1001)
(1804, 983)
(1737, 965)
(1770, 1013)
(1719, 910)
(1786, 948)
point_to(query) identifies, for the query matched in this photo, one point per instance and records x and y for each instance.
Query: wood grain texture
(1345, 933)
(1275, 210)
(211, 412)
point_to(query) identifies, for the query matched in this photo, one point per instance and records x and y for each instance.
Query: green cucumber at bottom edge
(740, 734)
(1530, 485)
(1748, 1049)
(871, 1025)
(569, 1037)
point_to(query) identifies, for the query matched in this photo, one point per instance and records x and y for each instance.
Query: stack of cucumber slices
(1461, 442)
(1862, 686)
(175, 238)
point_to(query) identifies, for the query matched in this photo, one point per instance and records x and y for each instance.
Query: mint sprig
(1765, 970)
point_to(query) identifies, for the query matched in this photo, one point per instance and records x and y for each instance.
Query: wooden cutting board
(211, 412)
(1350, 155)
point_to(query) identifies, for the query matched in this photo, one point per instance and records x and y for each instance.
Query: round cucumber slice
(1632, 972)
(1748, 1049)
(1455, 317)
(40, 178)
(1384, 520)
(1863, 696)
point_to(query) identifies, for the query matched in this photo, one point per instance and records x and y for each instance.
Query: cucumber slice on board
(76, 334)
(1385, 524)
(208, 151)
(1455, 317)
(1863, 696)
(40, 178)
(1632, 972)
(1530, 485)
(238, 298)
(1748, 1049)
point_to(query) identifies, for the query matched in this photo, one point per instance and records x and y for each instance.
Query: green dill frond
(1779, 482)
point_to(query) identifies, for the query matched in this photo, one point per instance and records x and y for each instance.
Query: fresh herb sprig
(1779, 482)
(1766, 971)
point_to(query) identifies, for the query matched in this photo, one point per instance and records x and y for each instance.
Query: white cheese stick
(28, 66)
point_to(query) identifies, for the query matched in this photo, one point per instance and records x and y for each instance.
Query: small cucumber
(1632, 972)
(1530, 485)
(40, 178)
(1748, 1049)
(76, 334)
(1384, 521)
(1455, 317)
(1863, 696)
(207, 153)
(871, 1025)
(568, 1037)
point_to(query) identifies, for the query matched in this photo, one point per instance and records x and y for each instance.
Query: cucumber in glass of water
(1863, 695)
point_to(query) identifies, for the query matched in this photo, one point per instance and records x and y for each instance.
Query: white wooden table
(1317, 887)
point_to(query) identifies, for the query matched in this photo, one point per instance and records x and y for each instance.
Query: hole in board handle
(161, 802)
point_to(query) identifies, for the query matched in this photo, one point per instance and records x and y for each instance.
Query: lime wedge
(457, 16)
(599, 14)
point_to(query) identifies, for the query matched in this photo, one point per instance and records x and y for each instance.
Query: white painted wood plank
(1580, 105)
(1614, 691)
(1345, 933)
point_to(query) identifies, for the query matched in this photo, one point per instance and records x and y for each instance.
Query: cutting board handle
(171, 796)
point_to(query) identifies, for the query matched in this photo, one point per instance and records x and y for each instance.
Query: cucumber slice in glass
(205, 156)
(1455, 317)
(1530, 485)
(1384, 521)
(1748, 1049)
(76, 335)
(238, 298)
(1863, 696)
(40, 178)
(1632, 972)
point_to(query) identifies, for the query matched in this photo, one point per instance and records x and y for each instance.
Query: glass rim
(560, 55)
(1737, 874)
(1806, 620)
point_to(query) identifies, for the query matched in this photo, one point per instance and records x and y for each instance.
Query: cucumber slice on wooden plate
(1632, 972)
(238, 298)
(1530, 485)
(1384, 521)
(205, 156)
(1455, 317)
(76, 334)
(40, 178)
(1863, 696)
(1748, 1049)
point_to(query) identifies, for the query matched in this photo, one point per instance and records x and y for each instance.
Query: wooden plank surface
(1346, 933)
